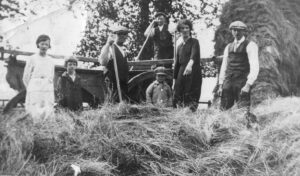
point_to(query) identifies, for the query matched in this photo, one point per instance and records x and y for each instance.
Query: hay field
(143, 140)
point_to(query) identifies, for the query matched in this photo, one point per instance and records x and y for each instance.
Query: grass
(144, 140)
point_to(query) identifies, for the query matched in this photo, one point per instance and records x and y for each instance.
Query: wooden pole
(144, 44)
(116, 73)
(175, 46)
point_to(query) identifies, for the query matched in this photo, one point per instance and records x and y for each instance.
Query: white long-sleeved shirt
(252, 51)
(104, 60)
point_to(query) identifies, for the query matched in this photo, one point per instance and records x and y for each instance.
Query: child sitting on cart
(159, 92)
(69, 87)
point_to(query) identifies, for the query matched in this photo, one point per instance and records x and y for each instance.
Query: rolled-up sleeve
(105, 55)
(223, 66)
(252, 51)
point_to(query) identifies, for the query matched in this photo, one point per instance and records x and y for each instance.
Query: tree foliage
(136, 15)
(9, 8)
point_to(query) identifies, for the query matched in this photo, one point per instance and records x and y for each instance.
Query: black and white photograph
(149, 88)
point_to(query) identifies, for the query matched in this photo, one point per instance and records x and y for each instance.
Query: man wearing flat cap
(162, 38)
(239, 68)
(115, 44)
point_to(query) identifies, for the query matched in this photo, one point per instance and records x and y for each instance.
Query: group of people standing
(187, 70)
(238, 72)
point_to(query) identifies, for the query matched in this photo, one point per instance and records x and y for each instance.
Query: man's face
(71, 66)
(121, 38)
(237, 33)
(161, 20)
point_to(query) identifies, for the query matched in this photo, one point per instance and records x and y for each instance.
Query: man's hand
(105, 70)
(220, 90)
(246, 88)
(188, 68)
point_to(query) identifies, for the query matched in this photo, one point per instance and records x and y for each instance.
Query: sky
(67, 31)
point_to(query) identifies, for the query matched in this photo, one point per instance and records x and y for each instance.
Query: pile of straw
(274, 26)
(143, 140)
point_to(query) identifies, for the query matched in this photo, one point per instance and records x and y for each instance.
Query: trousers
(232, 93)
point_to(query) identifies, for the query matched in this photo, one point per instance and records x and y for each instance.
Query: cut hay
(175, 142)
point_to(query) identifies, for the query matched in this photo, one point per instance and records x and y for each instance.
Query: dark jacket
(187, 89)
(163, 46)
(159, 94)
(122, 65)
(69, 92)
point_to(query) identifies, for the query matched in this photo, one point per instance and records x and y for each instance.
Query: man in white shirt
(162, 38)
(239, 69)
(115, 43)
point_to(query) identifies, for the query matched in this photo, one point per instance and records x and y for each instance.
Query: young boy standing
(159, 92)
(69, 87)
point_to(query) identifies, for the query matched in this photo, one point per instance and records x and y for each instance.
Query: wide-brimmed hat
(238, 25)
(161, 14)
(160, 71)
(119, 30)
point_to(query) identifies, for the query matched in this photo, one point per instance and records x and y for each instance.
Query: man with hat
(159, 92)
(114, 48)
(162, 38)
(239, 68)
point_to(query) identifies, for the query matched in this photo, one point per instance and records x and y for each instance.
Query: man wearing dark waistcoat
(115, 44)
(239, 69)
(162, 38)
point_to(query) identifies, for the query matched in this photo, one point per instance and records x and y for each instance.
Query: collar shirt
(72, 76)
(161, 27)
(237, 43)
(252, 52)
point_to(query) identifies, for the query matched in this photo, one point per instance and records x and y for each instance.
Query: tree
(9, 8)
(136, 15)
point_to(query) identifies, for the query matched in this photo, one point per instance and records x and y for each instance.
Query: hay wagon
(140, 76)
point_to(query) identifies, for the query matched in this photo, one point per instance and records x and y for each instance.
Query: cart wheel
(138, 84)
(19, 98)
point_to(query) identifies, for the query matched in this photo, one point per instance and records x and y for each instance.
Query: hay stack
(274, 26)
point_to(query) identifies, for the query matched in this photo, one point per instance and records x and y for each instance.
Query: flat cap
(237, 25)
(120, 30)
(160, 14)
(160, 71)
